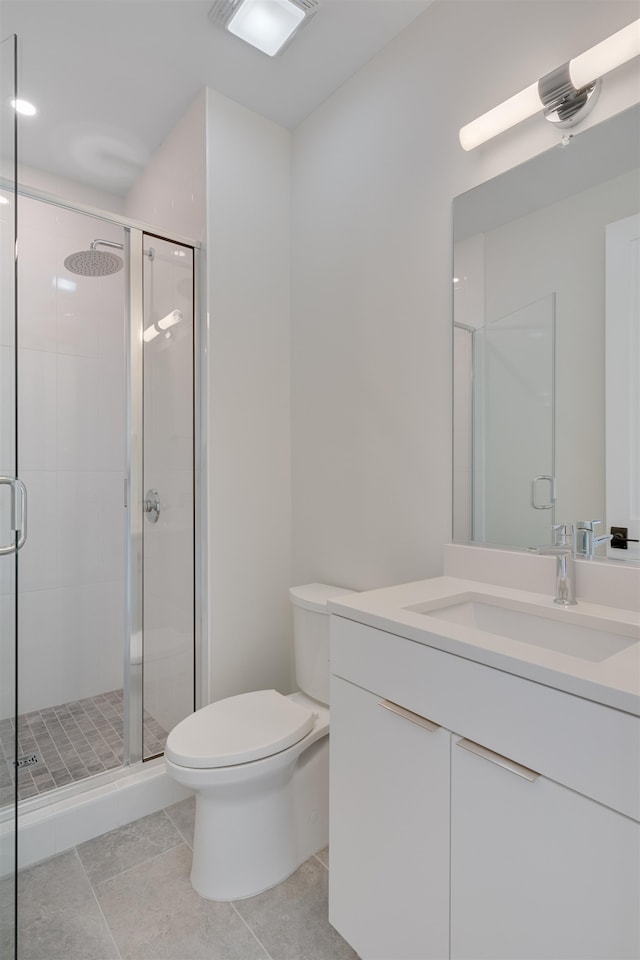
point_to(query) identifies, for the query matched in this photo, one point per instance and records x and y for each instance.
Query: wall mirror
(547, 345)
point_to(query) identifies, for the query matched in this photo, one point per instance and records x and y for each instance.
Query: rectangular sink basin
(574, 639)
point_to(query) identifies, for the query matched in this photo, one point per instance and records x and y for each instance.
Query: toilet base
(247, 841)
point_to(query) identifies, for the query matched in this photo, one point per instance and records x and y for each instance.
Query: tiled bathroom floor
(71, 741)
(127, 896)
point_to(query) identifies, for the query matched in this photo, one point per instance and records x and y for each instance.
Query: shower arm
(119, 246)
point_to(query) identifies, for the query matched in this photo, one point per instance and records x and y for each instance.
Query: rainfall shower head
(95, 263)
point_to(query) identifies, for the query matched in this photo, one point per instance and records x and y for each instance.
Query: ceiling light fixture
(268, 25)
(566, 95)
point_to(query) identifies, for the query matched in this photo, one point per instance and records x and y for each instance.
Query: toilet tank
(311, 636)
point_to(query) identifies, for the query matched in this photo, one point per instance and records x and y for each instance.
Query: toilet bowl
(259, 766)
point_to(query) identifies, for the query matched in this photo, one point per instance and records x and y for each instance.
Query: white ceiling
(111, 78)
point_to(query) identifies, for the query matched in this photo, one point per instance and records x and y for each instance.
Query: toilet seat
(239, 729)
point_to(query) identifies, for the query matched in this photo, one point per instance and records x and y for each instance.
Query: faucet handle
(562, 534)
(588, 524)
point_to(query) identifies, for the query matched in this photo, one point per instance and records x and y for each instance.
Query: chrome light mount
(563, 104)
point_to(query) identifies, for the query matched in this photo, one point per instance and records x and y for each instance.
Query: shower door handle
(18, 514)
(552, 492)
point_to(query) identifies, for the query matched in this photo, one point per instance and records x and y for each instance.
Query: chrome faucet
(586, 542)
(563, 548)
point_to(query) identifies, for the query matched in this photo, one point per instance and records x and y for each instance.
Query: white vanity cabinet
(447, 849)
(390, 769)
(537, 870)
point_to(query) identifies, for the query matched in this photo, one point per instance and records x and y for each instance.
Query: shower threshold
(67, 744)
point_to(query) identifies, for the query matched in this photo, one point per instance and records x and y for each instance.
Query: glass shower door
(10, 494)
(168, 489)
(513, 406)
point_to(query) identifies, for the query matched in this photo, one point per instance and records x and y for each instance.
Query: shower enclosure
(98, 497)
(9, 490)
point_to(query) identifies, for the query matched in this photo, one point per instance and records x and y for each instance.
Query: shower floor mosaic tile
(127, 896)
(69, 742)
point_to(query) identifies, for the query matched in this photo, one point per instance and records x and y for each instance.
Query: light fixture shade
(605, 56)
(505, 115)
(268, 25)
(170, 320)
(150, 333)
(24, 107)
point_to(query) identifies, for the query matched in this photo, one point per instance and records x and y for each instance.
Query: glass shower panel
(513, 409)
(8, 470)
(168, 484)
(72, 450)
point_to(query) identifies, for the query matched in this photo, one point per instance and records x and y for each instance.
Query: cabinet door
(389, 829)
(538, 871)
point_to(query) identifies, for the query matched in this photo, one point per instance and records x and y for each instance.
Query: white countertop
(614, 681)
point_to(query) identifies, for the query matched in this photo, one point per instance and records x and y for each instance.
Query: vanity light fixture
(268, 25)
(170, 320)
(155, 329)
(24, 107)
(566, 95)
(150, 333)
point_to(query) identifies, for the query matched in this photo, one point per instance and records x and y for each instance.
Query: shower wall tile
(91, 527)
(37, 379)
(7, 423)
(169, 425)
(41, 664)
(38, 331)
(169, 543)
(38, 557)
(7, 564)
(36, 218)
(90, 618)
(78, 519)
(77, 316)
(37, 291)
(77, 413)
(112, 526)
(112, 412)
(111, 319)
(7, 626)
(75, 637)
(168, 674)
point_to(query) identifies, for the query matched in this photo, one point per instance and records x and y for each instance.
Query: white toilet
(259, 766)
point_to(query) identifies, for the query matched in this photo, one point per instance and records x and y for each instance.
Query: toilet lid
(238, 730)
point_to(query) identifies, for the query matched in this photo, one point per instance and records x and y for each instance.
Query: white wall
(70, 190)
(248, 211)
(171, 193)
(374, 171)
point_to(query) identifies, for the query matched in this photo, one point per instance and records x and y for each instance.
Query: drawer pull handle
(409, 715)
(498, 759)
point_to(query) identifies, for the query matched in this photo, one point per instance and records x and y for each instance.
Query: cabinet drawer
(389, 828)
(588, 747)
